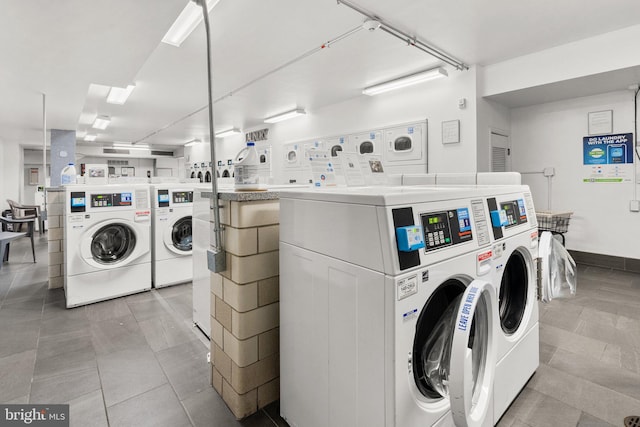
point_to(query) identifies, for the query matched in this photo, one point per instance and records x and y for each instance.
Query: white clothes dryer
(366, 142)
(172, 236)
(405, 148)
(107, 242)
(387, 316)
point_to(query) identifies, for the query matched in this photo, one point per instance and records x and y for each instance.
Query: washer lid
(473, 356)
(558, 274)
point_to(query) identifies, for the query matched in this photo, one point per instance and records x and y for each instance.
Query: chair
(20, 211)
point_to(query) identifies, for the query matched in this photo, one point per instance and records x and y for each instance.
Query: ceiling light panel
(285, 116)
(226, 133)
(90, 137)
(410, 80)
(187, 21)
(101, 122)
(119, 95)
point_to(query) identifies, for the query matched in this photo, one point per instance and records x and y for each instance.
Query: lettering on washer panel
(446, 228)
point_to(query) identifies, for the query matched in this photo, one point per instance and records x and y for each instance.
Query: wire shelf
(557, 222)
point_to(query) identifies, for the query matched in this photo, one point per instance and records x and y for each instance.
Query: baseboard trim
(607, 261)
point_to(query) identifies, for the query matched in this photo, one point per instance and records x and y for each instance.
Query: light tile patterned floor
(138, 361)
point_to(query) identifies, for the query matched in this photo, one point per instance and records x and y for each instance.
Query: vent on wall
(498, 159)
(161, 153)
(118, 162)
(114, 151)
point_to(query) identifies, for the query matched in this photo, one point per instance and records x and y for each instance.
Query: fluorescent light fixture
(130, 146)
(90, 137)
(229, 132)
(101, 122)
(119, 95)
(192, 143)
(285, 116)
(187, 21)
(410, 80)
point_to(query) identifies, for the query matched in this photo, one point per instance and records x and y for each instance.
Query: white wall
(551, 135)
(491, 117)
(11, 173)
(436, 101)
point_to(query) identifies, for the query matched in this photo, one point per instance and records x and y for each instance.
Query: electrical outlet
(634, 205)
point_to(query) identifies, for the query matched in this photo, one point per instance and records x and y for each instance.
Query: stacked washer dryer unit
(107, 242)
(387, 316)
(172, 233)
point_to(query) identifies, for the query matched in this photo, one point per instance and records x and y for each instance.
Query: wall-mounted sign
(257, 135)
(608, 158)
(600, 122)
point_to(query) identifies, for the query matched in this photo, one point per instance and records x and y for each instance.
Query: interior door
(473, 356)
(499, 153)
(559, 274)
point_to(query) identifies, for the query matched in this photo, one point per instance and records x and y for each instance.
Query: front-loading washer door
(473, 356)
(454, 352)
(514, 291)
(112, 244)
(178, 238)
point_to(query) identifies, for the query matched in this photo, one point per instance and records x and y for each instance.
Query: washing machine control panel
(446, 228)
(182, 197)
(515, 211)
(111, 199)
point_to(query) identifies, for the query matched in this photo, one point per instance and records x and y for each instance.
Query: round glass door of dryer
(225, 173)
(112, 243)
(182, 234)
(193, 174)
(207, 177)
(366, 147)
(335, 150)
(514, 288)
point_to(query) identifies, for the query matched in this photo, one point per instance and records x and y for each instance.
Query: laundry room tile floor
(137, 361)
(133, 361)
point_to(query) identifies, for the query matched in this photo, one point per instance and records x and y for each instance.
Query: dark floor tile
(183, 305)
(54, 295)
(186, 367)
(66, 387)
(587, 420)
(12, 312)
(127, 373)
(158, 407)
(70, 342)
(107, 310)
(19, 337)
(64, 322)
(118, 334)
(16, 372)
(144, 310)
(26, 290)
(88, 411)
(165, 332)
(546, 352)
(65, 363)
(208, 409)
(177, 290)
(58, 309)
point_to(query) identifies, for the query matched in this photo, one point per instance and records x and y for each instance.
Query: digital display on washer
(516, 212)
(78, 201)
(183, 197)
(163, 198)
(109, 200)
(446, 228)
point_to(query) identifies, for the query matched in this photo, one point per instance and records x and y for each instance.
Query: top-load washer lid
(454, 349)
(112, 243)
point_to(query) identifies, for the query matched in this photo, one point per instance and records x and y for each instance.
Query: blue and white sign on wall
(608, 149)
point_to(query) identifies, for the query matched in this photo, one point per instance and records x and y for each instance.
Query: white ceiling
(68, 48)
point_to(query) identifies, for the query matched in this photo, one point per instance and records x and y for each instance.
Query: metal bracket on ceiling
(411, 40)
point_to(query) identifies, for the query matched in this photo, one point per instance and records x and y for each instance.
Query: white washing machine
(375, 329)
(295, 168)
(366, 142)
(405, 148)
(172, 236)
(107, 242)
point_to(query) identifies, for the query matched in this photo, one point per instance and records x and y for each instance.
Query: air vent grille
(161, 153)
(118, 162)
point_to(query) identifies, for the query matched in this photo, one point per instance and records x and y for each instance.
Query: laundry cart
(555, 222)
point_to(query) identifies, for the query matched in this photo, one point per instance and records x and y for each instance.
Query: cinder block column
(244, 308)
(55, 236)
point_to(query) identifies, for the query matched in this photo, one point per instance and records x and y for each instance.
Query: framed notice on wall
(451, 132)
(600, 122)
